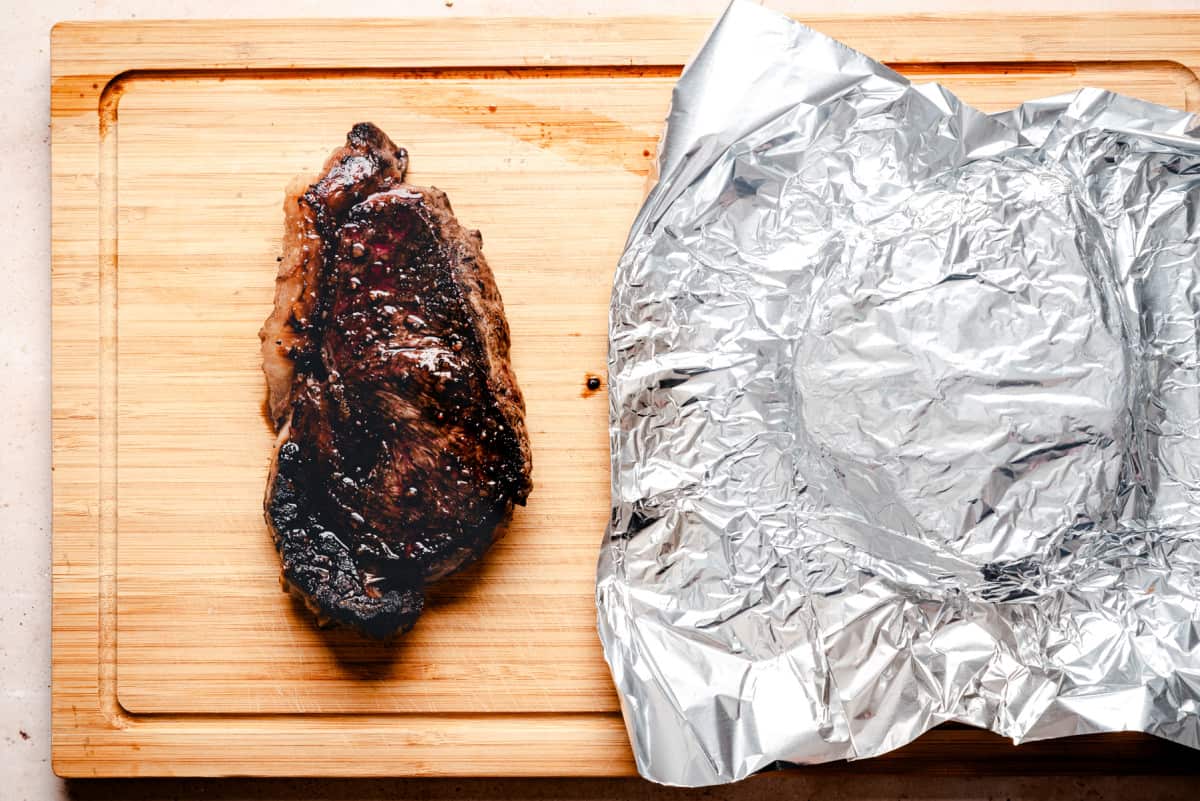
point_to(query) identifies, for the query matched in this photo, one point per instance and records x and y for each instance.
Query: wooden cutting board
(175, 652)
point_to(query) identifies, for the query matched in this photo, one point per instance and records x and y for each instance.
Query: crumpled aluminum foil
(905, 405)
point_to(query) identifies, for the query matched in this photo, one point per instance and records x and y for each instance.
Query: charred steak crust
(402, 444)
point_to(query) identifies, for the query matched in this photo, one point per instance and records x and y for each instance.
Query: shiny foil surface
(905, 416)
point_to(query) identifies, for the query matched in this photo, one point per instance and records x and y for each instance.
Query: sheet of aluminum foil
(905, 416)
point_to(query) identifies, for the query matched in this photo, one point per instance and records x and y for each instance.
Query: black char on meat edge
(401, 442)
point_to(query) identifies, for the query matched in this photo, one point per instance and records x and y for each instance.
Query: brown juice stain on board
(592, 384)
(110, 99)
(576, 134)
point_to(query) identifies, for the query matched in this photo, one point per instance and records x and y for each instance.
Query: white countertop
(25, 448)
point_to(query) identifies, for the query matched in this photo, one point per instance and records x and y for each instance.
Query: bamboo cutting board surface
(175, 652)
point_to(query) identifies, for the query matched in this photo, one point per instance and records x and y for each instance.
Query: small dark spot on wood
(95, 86)
(492, 109)
(24, 734)
(591, 383)
(646, 153)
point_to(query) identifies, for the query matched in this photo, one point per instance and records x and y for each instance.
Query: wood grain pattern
(174, 651)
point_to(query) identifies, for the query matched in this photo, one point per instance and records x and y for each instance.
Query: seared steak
(402, 445)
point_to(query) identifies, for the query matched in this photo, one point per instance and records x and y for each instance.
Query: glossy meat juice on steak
(402, 445)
